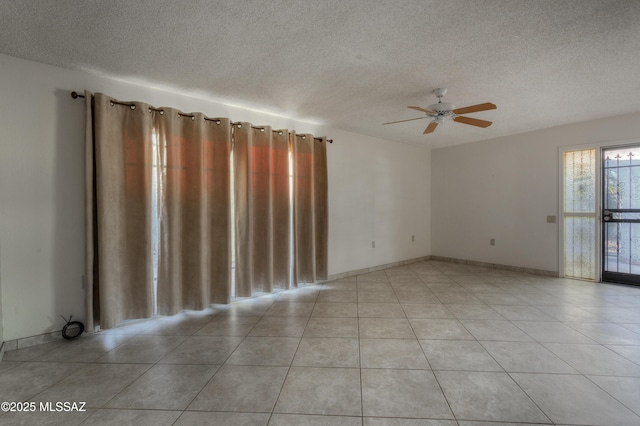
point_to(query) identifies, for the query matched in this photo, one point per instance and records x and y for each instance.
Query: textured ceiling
(354, 64)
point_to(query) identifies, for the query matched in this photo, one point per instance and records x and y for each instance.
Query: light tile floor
(430, 343)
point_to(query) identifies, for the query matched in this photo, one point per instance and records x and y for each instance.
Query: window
(579, 214)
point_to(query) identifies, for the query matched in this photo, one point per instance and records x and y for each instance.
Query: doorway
(621, 214)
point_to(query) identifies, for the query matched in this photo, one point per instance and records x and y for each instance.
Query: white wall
(378, 190)
(1, 326)
(505, 188)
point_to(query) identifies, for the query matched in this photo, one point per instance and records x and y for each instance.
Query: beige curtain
(158, 209)
(262, 213)
(194, 268)
(187, 205)
(310, 207)
(119, 242)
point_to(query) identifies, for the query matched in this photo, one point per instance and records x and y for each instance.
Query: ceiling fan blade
(402, 121)
(473, 121)
(431, 127)
(421, 109)
(474, 108)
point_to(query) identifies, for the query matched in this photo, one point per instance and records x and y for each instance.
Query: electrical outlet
(373, 244)
(492, 242)
(551, 219)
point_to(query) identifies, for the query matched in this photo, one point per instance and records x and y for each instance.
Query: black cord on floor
(72, 329)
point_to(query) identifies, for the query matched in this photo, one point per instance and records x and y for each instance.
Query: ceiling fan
(441, 111)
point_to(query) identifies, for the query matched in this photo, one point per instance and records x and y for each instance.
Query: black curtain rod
(76, 95)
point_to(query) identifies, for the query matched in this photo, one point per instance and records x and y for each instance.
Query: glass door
(621, 214)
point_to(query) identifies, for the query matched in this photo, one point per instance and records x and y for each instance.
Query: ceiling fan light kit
(443, 111)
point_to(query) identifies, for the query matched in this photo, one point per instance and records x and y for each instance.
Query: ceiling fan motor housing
(441, 107)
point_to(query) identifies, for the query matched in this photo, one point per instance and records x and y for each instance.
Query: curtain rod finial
(76, 95)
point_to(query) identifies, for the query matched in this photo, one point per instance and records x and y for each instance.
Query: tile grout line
(612, 396)
(284, 381)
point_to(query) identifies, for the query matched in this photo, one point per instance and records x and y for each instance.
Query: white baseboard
(25, 342)
(348, 274)
(497, 266)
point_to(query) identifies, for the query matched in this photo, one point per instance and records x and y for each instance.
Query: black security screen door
(621, 215)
